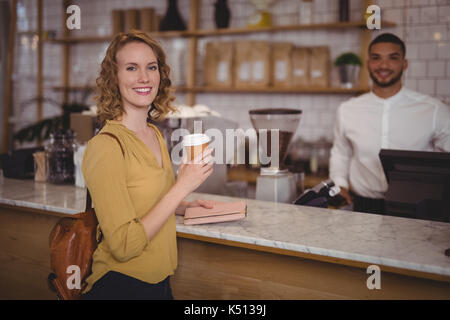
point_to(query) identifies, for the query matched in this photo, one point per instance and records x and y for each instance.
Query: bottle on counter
(40, 174)
(59, 153)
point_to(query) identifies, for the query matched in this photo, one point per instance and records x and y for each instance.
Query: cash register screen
(419, 184)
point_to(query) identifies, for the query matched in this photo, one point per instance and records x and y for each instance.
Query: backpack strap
(88, 200)
(99, 235)
(88, 195)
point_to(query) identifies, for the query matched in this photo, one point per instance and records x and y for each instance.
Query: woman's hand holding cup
(197, 165)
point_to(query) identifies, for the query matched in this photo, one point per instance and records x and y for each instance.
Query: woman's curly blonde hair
(108, 98)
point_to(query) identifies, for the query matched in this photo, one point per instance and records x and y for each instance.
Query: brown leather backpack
(72, 243)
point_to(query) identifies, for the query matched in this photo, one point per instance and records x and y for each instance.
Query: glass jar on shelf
(59, 153)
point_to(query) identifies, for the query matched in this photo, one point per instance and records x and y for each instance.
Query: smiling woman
(128, 172)
(109, 96)
(138, 75)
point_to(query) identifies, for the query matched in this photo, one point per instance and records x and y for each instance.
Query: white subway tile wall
(424, 25)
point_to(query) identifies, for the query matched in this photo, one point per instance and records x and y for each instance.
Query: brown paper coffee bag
(261, 58)
(131, 19)
(282, 64)
(320, 67)
(242, 71)
(218, 64)
(146, 19)
(209, 62)
(300, 66)
(117, 17)
(156, 21)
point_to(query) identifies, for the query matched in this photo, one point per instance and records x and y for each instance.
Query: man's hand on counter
(346, 195)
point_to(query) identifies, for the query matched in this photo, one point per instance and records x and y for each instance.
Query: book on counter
(221, 212)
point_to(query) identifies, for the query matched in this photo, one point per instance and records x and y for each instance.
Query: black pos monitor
(419, 184)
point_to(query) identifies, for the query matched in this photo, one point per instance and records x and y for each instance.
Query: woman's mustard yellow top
(124, 187)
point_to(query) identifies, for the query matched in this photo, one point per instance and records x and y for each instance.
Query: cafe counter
(279, 251)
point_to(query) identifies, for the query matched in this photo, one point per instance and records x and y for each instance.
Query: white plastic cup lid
(195, 139)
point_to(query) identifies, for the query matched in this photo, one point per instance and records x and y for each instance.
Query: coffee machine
(275, 182)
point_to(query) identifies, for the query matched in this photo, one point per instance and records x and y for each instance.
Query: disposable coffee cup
(195, 144)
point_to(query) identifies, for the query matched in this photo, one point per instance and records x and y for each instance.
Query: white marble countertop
(409, 244)
(66, 199)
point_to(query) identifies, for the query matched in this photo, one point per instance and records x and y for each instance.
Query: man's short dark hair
(389, 37)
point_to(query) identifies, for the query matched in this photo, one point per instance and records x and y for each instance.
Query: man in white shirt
(389, 117)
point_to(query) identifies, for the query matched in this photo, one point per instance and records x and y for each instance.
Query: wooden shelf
(293, 27)
(326, 90)
(79, 40)
(318, 90)
(73, 88)
(91, 39)
(228, 31)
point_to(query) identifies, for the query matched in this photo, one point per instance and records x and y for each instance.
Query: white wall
(423, 25)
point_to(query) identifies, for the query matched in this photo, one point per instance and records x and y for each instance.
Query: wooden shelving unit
(193, 33)
(229, 31)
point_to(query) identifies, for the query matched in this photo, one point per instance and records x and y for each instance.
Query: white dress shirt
(365, 124)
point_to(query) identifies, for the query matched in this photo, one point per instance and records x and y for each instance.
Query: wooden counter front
(208, 270)
(25, 252)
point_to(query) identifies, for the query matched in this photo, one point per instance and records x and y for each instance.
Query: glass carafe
(59, 157)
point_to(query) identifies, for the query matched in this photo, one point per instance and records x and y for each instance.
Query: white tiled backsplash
(424, 25)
